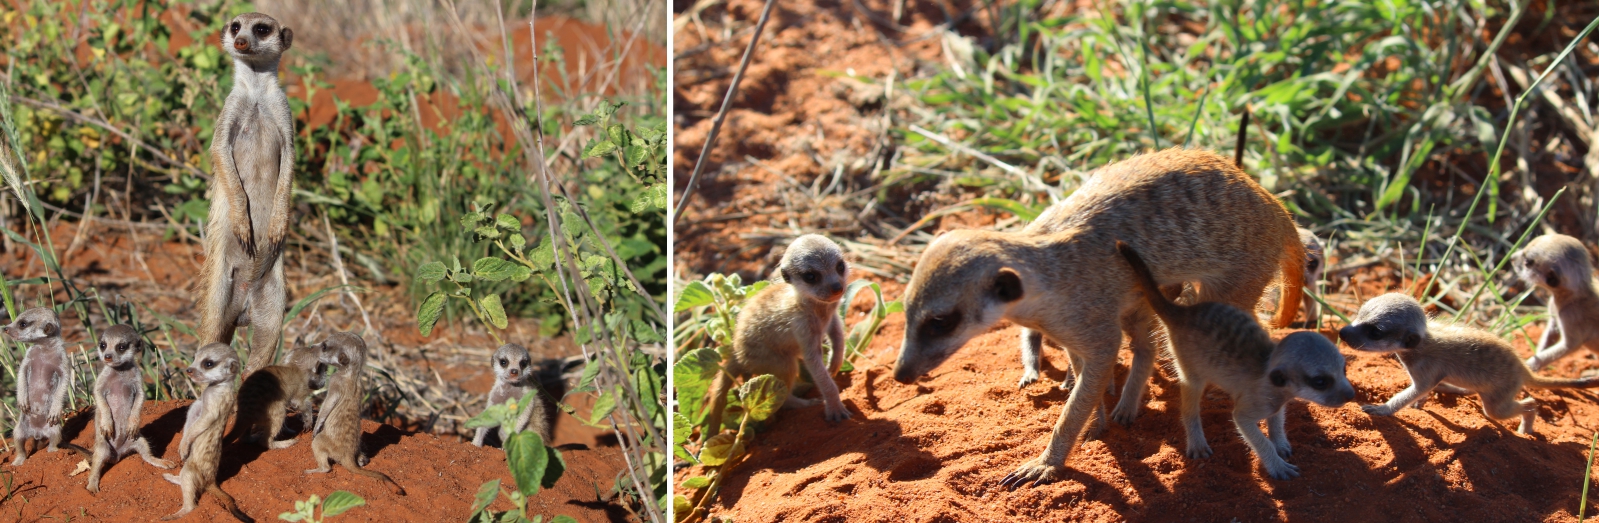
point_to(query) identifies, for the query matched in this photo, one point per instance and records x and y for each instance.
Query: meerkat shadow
(236, 455)
(613, 510)
(375, 441)
(552, 385)
(165, 428)
(75, 425)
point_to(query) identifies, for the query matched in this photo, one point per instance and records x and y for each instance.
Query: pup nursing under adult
(1470, 359)
(1559, 265)
(1216, 343)
(251, 193)
(512, 380)
(42, 381)
(118, 402)
(214, 368)
(1197, 218)
(338, 427)
(784, 324)
(266, 396)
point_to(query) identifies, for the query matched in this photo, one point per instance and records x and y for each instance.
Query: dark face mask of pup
(1388, 323)
(956, 293)
(1312, 369)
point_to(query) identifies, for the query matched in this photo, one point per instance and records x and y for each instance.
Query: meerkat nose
(241, 44)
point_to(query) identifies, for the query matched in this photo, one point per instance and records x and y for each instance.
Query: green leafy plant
(760, 397)
(336, 503)
(533, 465)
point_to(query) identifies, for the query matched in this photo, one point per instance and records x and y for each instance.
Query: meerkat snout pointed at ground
(1217, 343)
(266, 396)
(214, 368)
(43, 379)
(513, 379)
(338, 427)
(1559, 265)
(784, 324)
(1470, 359)
(118, 402)
(252, 154)
(1197, 218)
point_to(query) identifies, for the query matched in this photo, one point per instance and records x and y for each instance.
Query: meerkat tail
(1545, 382)
(1293, 292)
(1243, 131)
(379, 476)
(1146, 281)
(228, 503)
(80, 450)
(718, 399)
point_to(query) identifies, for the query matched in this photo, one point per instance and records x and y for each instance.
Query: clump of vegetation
(336, 503)
(533, 465)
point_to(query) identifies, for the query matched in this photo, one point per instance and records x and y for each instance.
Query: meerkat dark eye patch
(262, 30)
(941, 325)
(1278, 379)
(208, 364)
(1320, 382)
(22, 324)
(234, 28)
(1310, 266)
(810, 276)
(122, 347)
(1412, 340)
(504, 362)
(1374, 332)
(840, 267)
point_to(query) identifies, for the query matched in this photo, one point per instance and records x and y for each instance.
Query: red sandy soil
(440, 474)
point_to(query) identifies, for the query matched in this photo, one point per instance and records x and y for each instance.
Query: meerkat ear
(51, 329)
(1008, 285)
(1553, 278)
(233, 367)
(1277, 378)
(1412, 340)
(288, 38)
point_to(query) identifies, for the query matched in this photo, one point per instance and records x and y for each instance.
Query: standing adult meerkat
(512, 380)
(1198, 218)
(784, 324)
(1559, 265)
(338, 426)
(1217, 343)
(252, 152)
(1469, 359)
(118, 402)
(43, 379)
(266, 396)
(214, 368)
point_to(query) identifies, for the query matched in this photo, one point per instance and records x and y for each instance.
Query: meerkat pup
(1559, 265)
(1197, 218)
(252, 153)
(118, 402)
(43, 379)
(337, 435)
(266, 396)
(1217, 343)
(214, 368)
(512, 380)
(784, 324)
(1472, 360)
(1315, 265)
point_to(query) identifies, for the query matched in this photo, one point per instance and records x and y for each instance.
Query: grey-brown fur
(512, 380)
(1471, 359)
(337, 435)
(251, 193)
(1315, 266)
(43, 378)
(784, 324)
(1199, 218)
(214, 369)
(1559, 265)
(1217, 343)
(118, 402)
(266, 396)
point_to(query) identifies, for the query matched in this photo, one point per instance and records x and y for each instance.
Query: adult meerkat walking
(252, 152)
(266, 396)
(784, 324)
(214, 368)
(1470, 359)
(1217, 343)
(512, 380)
(118, 402)
(1559, 265)
(338, 427)
(1198, 218)
(43, 378)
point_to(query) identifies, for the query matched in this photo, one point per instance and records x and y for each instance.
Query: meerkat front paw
(1198, 450)
(1124, 414)
(1378, 410)
(1279, 469)
(1028, 378)
(1035, 471)
(836, 413)
(1283, 449)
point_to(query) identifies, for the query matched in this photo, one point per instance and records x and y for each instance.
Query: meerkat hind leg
(1192, 392)
(266, 320)
(142, 446)
(1138, 327)
(1279, 432)
(1032, 349)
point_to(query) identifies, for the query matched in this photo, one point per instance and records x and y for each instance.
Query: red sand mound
(936, 450)
(440, 476)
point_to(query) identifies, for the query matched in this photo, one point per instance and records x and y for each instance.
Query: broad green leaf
(603, 407)
(429, 313)
(494, 269)
(719, 449)
(691, 378)
(430, 272)
(695, 294)
(339, 502)
(291, 517)
(598, 148)
(525, 454)
(563, 519)
(763, 395)
(492, 416)
(471, 220)
(488, 231)
(486, 495)
(590, 371)
(554, 468)
(680, 506)
(508, 222)
(517, 241)
(494, 311)
(697, 482)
